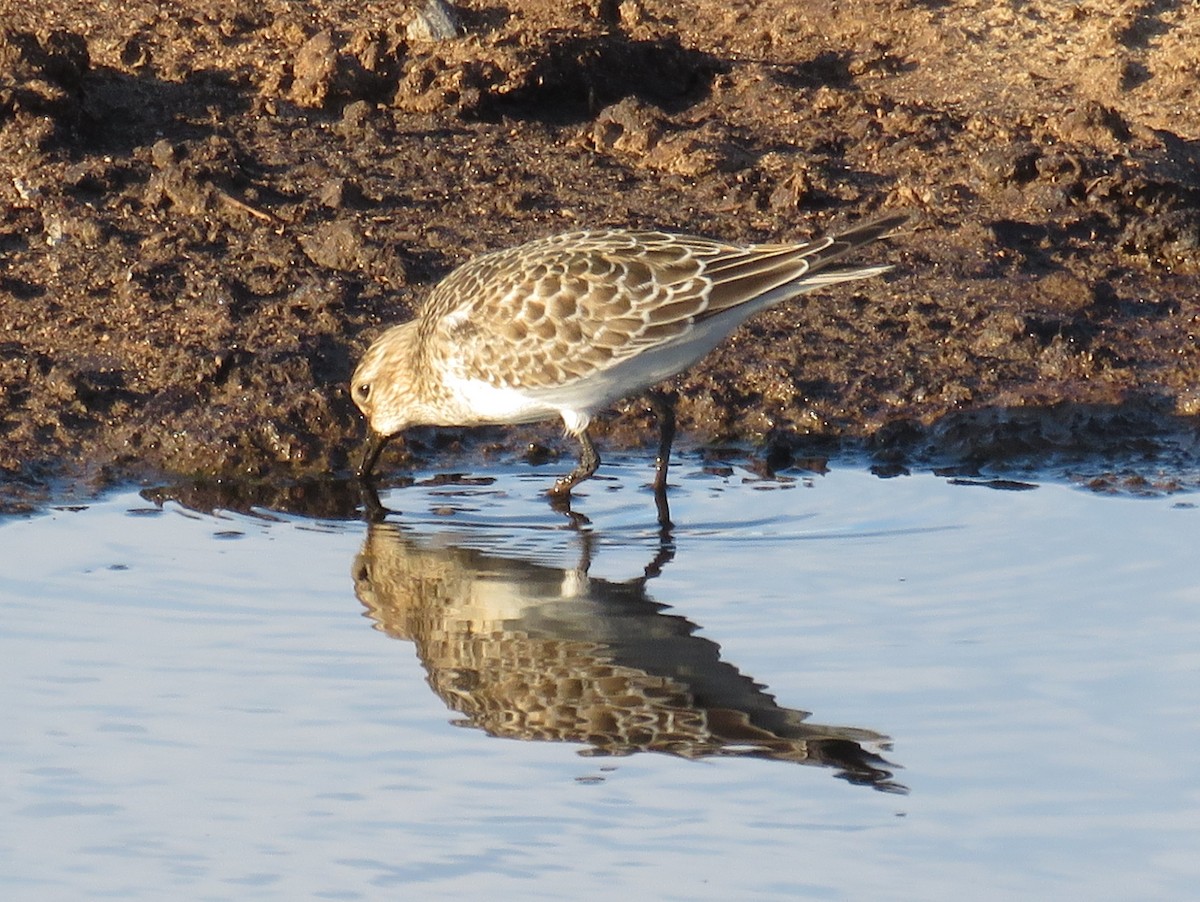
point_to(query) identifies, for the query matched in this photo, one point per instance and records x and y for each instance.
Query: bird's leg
(664, 510)
(664, 407)
(589, 462)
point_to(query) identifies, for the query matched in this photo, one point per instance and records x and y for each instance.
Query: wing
(546, 314)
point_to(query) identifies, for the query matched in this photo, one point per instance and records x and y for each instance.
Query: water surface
(827, 687)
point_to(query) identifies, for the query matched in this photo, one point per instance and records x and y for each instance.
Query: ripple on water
(196, 701)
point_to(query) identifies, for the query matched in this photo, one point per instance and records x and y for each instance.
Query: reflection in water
(529, 651)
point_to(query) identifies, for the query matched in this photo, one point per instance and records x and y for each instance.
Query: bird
(566, 325)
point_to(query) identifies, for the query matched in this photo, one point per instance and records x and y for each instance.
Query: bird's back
(569, 307)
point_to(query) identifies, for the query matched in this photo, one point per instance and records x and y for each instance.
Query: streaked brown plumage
(566, 325)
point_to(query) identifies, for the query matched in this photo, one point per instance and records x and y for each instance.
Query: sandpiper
(566, 325)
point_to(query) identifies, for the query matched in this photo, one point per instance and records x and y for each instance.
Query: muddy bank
(207, 210)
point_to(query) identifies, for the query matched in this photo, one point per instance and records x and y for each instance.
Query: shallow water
(1003, 688)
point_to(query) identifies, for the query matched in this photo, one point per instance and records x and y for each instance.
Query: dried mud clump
(207, 210)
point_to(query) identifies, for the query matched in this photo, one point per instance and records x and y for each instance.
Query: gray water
(483, 699)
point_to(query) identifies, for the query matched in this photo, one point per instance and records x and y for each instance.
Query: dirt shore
(208, 209)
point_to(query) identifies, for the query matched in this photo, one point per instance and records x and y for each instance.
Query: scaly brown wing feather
(559, 309)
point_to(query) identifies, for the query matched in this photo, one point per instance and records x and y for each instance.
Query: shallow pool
(819, 686)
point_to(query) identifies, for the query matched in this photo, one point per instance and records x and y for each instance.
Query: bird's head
(382, 388)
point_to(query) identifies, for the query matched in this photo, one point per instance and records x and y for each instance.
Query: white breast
(481, 403)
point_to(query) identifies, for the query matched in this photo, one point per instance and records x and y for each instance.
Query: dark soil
(208, 209)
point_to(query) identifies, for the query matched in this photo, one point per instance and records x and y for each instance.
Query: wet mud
(207, 210)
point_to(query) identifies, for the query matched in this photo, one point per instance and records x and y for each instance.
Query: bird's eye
(362, 391)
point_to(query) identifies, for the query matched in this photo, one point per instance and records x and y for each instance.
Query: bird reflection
(529, 651)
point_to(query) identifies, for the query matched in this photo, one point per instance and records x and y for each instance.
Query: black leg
(664, 510)
(372, 448)
(589, 462)
(664, 406)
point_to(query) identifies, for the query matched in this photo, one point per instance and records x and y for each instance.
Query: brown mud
(208, 209)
